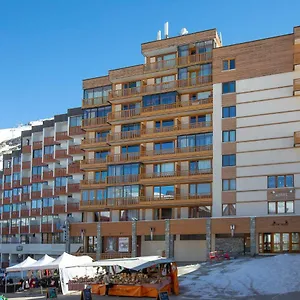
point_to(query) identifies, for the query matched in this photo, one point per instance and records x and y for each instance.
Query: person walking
(106, 280)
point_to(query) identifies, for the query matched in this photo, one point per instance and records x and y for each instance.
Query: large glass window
(101, 154)
(200, 212)
(49, 149)
(193, 140)
(229, 112)
(87, 195)
(129, 215)
(100, 176)
(164, 123)
(101, 134)
(96, 112)
(280, 181)
(280, 207)
(164, 147)
(60, 181)
(75, 121)
(36, 204)
(16, 160)
(200, 189)
(162, 213)
(127, 191)
(37, 153)
(228, 136)
(7, 178)
(119, 170)
(47, 202)
(167, 192)
(229, 184)
(228, 64)
(130, 149)
(159, 99)
(16, 176)
(36, 187)
(204, 164)
(37, 170)
(26, 189)
(7, 193)
(17, 191)
(6, 208)
(228, 87)
(130, 127)
(228, 160)
(102, 91)
(229, 210)
(101, 194)
(164, 168)
(201, 96)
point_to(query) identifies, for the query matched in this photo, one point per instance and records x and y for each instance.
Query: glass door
(267, 243)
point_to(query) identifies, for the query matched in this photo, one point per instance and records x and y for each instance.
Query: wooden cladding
(75, 130)
(297, 86)
(26, 149)
(297, 138)
(63, 135)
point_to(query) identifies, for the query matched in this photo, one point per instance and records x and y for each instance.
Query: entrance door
(267, 242)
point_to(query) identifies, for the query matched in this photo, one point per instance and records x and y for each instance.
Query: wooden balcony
(76, 149)
(26, 165)
(92, 183)
(48, 175)
(72, 207)
(7, 185)
(297, 139)
(122, 179)
(93, 143)
(48, 141)
(24, 213)
(35, 212)
(17, 168)
(16, 198)
(61, 190)
(6, 215)
(37, 161)
(16, 183)
(62, 153)
(297, 86)
(124, 114)
(25, 180)
(126, 135)
(47, 210)
(94, 102)
(62, 136)
(73, 188)
(25, 197)
(7, 171)
(36, 195)
(176, 62)
(75, 130)
(35, 228)
(36, 178)
(60, 172)
(183, 176)
(26, 149)
(59, 208)
(74, 168)
(47, 192)
(48, 158)
(124, 157)
(24, 229)
(14, 230)
(6, 200)
(15, 214)
(93, 163)
(161, 87)
(94, 122)
(46, 228)
(37, 145)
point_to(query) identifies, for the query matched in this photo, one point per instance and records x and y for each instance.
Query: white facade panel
(252, 209)
(265, 145)
(251, 183)
(251, 196)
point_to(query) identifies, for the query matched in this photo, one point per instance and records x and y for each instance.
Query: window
(16, 160)
(229, 210)
(127, 191)
(100, 176)
(156, 237)
(7, 178)
(130, 106)
(229, 184)
(164, 147)
(120, 170)
(96, 112)
(6, 208)
(201, 96)
(48, 149)
(16, 176)
(101, 155)
(102, 91)
(17, 191)
(166, 192)
(88, 195)
(36, 170)
(164, 79)
(280, 181)
(200, 165)
(132, 84)
(228, 160)
(192, 237)
(228, 87)
(7, 163)
(200, 212)
(228, 136)
(101, 135)
(228, 64)
(129, 215)
(281, 207)
(100, 194)
(130, 149)
(200, 189)
(162, 213)
(37, 153)
(159, 99)
(130, 127)
(15, 207)
(26, 189)
(229, 112)
(60, 181)
(36, 204)
(75, 121)
(201, 119)
(36, 187)
(195, 140)
(164, 168)
(163, 124)
(7, 193)
(47, 202)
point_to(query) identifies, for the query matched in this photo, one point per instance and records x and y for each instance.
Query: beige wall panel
(149, 191)
(184, 189)
(228, 197)
(255, 196)
(228, 172)
(189, 250)
(229, 99)
(228, 148)
(150, 248)
(265, 145)
(115, 215)
(267, 157)
(252, 209)
(251, 183)
(228, 124)
(297, 207)
(268, 170)
(149, 146)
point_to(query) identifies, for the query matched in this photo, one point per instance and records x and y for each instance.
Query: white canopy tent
(23, 266)
(46, 259)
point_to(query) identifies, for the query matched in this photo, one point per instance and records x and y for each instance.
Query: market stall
(133, 277)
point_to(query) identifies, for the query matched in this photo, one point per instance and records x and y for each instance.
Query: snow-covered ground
(241, 277)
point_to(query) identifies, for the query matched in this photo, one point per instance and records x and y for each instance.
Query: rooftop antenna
(166, 30)
(183, 31)
(158, 36)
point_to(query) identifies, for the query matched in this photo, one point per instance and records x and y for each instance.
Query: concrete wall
(189, 250)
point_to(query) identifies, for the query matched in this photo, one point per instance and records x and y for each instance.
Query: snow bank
(244, 277)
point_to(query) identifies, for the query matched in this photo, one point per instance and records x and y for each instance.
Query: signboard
(163, 296)
(86, 294)
(51, 293)
(123, 244)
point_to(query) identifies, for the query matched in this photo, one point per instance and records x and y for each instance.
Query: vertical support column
(167, 238)
(171, 245)
(208, 237)
(68, 246)
(252, 236)
(99, 242)
(133, 239)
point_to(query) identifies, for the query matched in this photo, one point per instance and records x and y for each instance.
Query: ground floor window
(279, 242)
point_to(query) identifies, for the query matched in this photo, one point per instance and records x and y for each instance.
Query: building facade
(40, 188)
(194, 150)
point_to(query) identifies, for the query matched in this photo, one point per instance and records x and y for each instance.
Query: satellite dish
(183, 31)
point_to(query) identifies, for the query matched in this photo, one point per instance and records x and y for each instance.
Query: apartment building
(40, 189)
(194, 150)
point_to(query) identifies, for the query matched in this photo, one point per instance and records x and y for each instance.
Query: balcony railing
(124, 135)
(87, 183)
(49, 157)
(16, 183)
(73, 188)
(15, 214)
(92, 141)
(36, 195)
(62, 153)
(72, 207)
(178, 61)
(36, 178)
(161, 87)
(48, 175)
(59, 208)
(75, 149)
(75, 130)
(49, 140)
(37, 161)
(173, 198)
(62, 135)
(26, 165)
(26, 149)
(124, 114)
(25, 180)
(17, 168)
(122, 179)
(25, 196)
(74, 168)
(7, 171)
(93, 161)
(37, 145)
(124, 157)
(47, 192)
(60, 172)
(97, 101)
(61, 190)
(91, 122)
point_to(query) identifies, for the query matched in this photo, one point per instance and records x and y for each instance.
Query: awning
(46, 259)
(25, 265)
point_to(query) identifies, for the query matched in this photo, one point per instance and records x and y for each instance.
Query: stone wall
(235, 245)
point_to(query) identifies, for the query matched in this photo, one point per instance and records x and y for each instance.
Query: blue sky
(48, 46)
